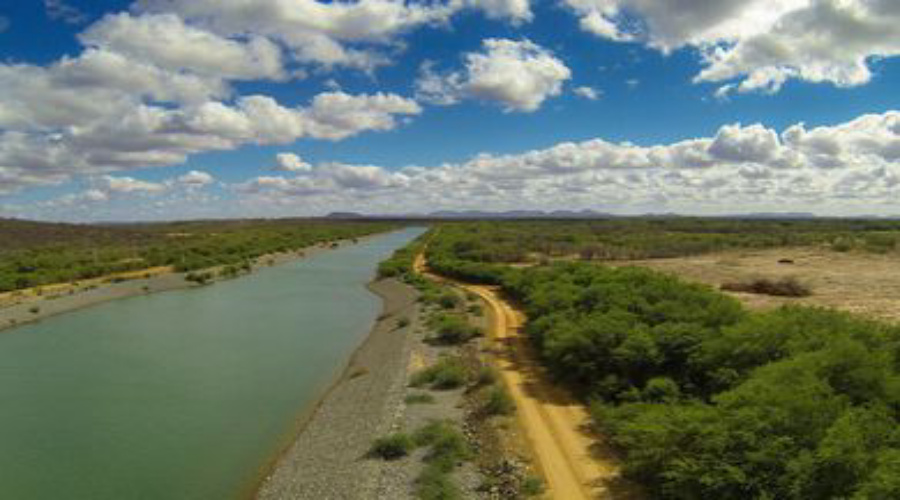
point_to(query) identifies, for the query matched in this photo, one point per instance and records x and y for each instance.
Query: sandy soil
(856, 282)
(573, 462)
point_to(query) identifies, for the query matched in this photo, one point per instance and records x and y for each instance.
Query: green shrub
(498, 402)
(433, 483)
(447, 373)
(486, 375)
(392, 447)
(447, 449)
(402, 322)
(532, 486)
(448, 446)
(661, 389)
(448, 300)
(452, 329)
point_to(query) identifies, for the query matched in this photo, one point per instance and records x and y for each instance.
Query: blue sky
(626, 106)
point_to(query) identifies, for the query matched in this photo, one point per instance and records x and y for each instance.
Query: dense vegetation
(33, 254)
(705, 398)
(617, 239)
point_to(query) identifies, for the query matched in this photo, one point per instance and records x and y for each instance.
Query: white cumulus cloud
(518, 74)
(290, 162)
(853, 166)
(760, 44)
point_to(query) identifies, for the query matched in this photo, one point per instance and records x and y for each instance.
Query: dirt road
(572, 462)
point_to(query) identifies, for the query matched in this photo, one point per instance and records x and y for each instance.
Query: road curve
(573, 465)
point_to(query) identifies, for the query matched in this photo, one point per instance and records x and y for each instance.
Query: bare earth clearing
(862, 283)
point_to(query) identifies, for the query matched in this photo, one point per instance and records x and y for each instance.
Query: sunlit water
(179, 395)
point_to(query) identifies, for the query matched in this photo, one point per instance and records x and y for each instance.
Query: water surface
(179, 395)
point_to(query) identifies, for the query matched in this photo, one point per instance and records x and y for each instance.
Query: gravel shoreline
(327, 459)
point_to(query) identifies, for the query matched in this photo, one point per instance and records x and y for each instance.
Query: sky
(114, 110)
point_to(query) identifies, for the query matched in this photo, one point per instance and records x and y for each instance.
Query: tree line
(66, 253)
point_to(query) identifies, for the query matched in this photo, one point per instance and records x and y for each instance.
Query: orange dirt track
(572, 462)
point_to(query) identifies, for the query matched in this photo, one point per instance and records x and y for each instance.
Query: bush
(392, 447)
(448, 445)
(532, 486)
(448, 448)
(447, 373)
(451, 329)
(402, 322)
(498, 401)
(448, 300)
(486, 375)
(785, 287)
(661, 389)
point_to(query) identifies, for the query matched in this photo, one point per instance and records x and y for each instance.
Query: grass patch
(448, 448)
(785, 287)
(448, 373)
(532, 486)
(498, 402)
(452, 329)
(392, 446)
(419, 398)
(486, 375)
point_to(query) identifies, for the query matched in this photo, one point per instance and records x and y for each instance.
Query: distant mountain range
(555, 214)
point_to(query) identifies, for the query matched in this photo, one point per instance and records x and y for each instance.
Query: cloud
(165, 41)
(195, 178)
(350, 34)
(44, 143)
(519, 75)
(58, 10)
(759, 43)
(4, 23)
(290, 162)
(830, 168)
(127, 185)
(588, 93)
(516, 11)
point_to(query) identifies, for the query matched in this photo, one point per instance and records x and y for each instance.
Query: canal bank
(20, 308)
(181, 395)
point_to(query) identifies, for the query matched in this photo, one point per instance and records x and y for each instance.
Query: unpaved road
(572, 462)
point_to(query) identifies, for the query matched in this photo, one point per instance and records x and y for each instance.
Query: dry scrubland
(857, 282)
(702, 396)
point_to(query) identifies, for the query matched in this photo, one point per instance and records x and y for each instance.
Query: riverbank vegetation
(34, 254)
(704, 398)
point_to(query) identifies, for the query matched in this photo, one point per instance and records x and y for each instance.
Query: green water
(179, 395)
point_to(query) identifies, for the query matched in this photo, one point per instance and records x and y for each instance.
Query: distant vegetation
(648, 238)
(704, 398)
(34, 254)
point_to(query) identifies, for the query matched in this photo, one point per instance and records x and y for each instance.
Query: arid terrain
(858, 282)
